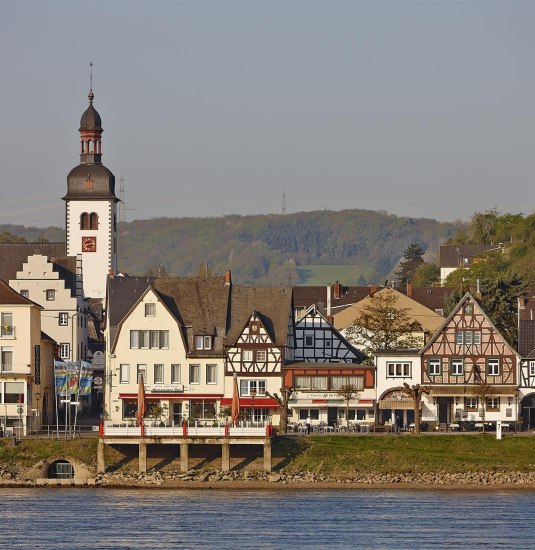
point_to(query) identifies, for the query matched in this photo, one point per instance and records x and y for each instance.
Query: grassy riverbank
(330, 456)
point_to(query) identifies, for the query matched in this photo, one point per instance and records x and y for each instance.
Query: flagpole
(56, 400)
(78, 400)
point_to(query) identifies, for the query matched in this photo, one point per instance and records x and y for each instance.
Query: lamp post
(37, 414)
(253, 395)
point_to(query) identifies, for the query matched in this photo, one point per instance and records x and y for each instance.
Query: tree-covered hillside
(268, 249)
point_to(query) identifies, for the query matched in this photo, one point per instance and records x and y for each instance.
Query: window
(211, 374)
(201, 408)
(469, 309)
(261, 356)
(328, 344)
(470, 403)
(50, 294)
(124, 374)
(246, 386)
(14, 392)
(493, 367)
(246, 355)
(84, 220)
(195, 374)
(467, 337)
(129, 408)
(338, 381)
(532, 368)
(25, 293)
(7, 359)
(175, 374)
(63, 319)
(149, 339)
(6, 326)
(65, 351)
(141, 373)
(309, 340)
(150, 310)
(356, 414)
(493, 403)
(93, 220)
(435, 367)
(312, 382)
(203, 342)
(158, 373)
(305, 413)
(398, 370)
(457, 367)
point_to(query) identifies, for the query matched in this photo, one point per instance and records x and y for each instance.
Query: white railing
(126, 430)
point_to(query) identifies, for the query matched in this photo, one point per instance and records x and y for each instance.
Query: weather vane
(90, 75)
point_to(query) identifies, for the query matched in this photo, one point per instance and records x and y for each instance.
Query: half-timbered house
(526, 349)
(259, 340)
(471, 369)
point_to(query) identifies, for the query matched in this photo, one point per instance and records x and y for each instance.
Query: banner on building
(73, 377)
(37, 358)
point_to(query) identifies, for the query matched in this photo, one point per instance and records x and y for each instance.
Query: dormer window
(203, 342)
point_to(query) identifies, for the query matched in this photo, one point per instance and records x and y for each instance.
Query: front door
(444, 410)
(177, 413)
(332, 415)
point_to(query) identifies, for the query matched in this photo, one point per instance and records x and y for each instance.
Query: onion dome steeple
(90, 134)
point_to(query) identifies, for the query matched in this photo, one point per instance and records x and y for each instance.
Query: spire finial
(91, 95)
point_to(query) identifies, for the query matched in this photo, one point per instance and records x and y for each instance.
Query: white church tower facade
(91, 208)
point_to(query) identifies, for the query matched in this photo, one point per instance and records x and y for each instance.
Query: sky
(209, 108)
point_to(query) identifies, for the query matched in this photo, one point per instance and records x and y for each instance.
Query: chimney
(373, 290)
(337, 290)
(409, 289)
(328, 300)
(228, 278)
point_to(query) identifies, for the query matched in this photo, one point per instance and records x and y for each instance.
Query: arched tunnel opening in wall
(61, 469)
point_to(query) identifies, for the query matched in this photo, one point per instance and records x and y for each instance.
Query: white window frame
(247, 385)
(194, 368)
(435, 362)
(454, 367)
(470, 403)
(492, 403)
(261, 356)
(203, 342)
(175, 368)
(63, 319)
(247, 355)
(50, 294)
(141, 368)
(65, 350)
(211, 367)
(398, 369)
(4, 365)
(459, 337)
(124, 373)
(493, 366)
(150, 309)
(477, 337)
(159, 373)
(7, 329)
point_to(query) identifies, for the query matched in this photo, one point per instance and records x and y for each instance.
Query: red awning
(319, 400)
(248, 402)
(169, 396)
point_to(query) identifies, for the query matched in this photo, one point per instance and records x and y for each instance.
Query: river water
(109, 518)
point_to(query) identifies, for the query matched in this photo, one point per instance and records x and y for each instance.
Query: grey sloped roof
(305, 296)
(453, 255)
(526, 338)
(272, 304)
(102, 183)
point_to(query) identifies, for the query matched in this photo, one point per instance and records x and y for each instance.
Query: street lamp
(253, 395)
(37, 414)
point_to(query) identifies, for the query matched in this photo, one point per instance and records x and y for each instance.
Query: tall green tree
(412, 260)
(426, 275)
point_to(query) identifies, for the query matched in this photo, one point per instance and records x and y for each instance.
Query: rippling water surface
(98, 518)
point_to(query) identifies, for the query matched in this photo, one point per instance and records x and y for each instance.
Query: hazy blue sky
(420, 108)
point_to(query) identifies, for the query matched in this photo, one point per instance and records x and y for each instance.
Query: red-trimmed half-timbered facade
(466, 354)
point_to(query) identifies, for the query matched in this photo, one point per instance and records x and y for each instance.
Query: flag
(140, 402)
(235, 401)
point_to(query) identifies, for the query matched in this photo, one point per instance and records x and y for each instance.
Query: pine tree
(412, 260)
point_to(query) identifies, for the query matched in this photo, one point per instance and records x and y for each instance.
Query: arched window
(93, 220)
(84, 220)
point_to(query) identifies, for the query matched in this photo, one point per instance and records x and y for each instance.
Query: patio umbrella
(140, 402)
(235, 401)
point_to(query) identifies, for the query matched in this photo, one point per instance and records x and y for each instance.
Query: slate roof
(453, 255)
(103, 183)
(526, 339)
(273, 305)
(9, 297)
(431, 297)
(527, 304)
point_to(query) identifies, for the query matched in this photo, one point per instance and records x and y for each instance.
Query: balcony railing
(244, 429)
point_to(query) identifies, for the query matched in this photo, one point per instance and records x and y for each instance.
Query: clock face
(89, 244)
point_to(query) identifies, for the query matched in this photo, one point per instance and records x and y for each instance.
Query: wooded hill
(362, 245)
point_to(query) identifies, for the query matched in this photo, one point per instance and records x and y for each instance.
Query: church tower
(91, 208)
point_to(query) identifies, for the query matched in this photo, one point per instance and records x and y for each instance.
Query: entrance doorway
(332, 415)
(527, 407)
(177, 413)
(444, 410)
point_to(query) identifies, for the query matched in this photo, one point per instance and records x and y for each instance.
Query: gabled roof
(273, 305)
(460, 255)
(305, 296)
(526, 338)
(13, 256)
(467, 297)
(10, 297)
(431, 297)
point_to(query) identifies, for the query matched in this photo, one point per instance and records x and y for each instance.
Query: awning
(400, 404)
(248, 402)
(149, 395)
(461, 391)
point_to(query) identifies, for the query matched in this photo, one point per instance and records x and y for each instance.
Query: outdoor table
(328, 429)
(365, 428)
(455, 427)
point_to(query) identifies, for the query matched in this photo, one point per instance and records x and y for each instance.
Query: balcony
(7, 332)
